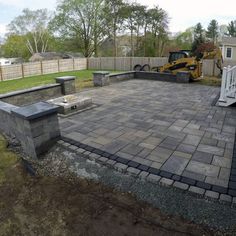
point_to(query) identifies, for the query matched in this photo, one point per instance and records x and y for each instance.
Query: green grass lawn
(84, 79)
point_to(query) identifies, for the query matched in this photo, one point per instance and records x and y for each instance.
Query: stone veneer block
(101, 78)
(36, 127)
(67, 84)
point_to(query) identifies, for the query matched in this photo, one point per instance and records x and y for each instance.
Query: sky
(182, 13)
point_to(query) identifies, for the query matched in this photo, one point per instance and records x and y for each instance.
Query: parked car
(4, 62)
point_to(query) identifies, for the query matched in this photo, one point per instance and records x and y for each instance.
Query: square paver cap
(35, 111)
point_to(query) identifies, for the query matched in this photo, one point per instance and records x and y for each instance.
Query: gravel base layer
(170, 200)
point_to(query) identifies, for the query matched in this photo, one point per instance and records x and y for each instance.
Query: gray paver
(153, 178)
(225, 198)
(175, 165)
(182, 154)
(221, 161)
(111, 162)
(181, 185)
(192, 140)
(120, 167)
(224, 173)
(186, 148)
(115, 146)
(153, 141)
(209, 141)
(166, 182)
(80, 150)
(212, 194)
(103, 159)
(160, 154)
(156, 165)
(197, 190)
(147, 145)
(193, 175)
(74, 148)
(202, 157)
(211, 149)
(132, 149)
(143, 175)
(142, 161)
(193, 131)
(217, 181)
(133, 171)
(203, 168)
(170, 143)
(176, 120)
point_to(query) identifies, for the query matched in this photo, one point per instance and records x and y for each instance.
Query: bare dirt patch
(59, 206)
(54, 206)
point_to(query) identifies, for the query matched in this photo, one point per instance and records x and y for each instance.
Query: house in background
(44, 56)
(228, 47)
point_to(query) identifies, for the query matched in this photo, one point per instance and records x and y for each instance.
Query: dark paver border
(215, 100)
(230, 192)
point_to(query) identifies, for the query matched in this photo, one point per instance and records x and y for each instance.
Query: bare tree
(33, 25)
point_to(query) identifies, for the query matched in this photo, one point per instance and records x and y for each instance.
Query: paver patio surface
(169, 126)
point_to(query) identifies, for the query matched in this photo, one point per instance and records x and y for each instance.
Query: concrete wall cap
(35, 111)
(101, 72)
(7, 107)
(64, 79)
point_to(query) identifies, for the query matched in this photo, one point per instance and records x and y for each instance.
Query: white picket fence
(228, 87)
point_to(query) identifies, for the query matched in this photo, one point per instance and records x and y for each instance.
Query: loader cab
(174, 56)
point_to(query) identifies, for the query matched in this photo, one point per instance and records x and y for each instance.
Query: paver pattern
(166, 126)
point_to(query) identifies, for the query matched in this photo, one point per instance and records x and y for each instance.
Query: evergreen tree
(198, 37)
(232, 29)
(213, 31)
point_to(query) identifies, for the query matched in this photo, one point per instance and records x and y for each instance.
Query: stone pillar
(183, 77)
(101, 78)
(67, 84)
(36, 127)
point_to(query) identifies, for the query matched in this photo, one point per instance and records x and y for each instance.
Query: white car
(4, 62)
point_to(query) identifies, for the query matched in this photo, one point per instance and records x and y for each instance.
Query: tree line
(86, 25)
(197, 39)
(96, 27)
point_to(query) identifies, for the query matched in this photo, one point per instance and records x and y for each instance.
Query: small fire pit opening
(71, 103)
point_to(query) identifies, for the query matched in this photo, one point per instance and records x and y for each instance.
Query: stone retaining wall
(121, 76)
(155, 76)
(32, 95)
(65, 85)
(34, 126)
(103, 78)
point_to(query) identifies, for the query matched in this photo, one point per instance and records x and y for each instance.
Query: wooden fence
(123, 63)
(40, 68)
(127, 63)
(102, 63)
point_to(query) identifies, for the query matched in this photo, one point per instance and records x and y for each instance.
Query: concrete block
(197, 190)
(225, 198)
(166, 182)
(181, 185)
(153, 178)
(67, 84)
(101, 78)
(212, 194)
